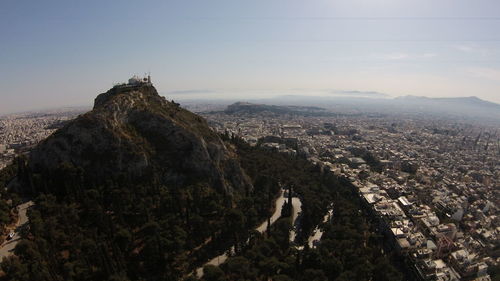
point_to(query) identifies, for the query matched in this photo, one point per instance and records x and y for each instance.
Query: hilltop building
(135, 81)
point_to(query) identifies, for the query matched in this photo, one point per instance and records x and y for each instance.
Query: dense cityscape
(432, 184)
(19, 132)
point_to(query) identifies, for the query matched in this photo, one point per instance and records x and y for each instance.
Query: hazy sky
(55, 53)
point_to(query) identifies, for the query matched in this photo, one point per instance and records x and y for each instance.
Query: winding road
(317, 232)
(296, 209)
(7, 248)
(278, 206)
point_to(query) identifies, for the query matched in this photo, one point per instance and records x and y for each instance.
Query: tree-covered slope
(133, 189)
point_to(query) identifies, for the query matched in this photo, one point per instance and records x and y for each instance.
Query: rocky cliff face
(132, 131)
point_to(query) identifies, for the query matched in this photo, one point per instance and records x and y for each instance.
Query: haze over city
(266, 140)
(60, 53)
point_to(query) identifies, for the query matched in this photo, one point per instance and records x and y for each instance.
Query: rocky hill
(141, 189)
(133, 131)
(252, 108)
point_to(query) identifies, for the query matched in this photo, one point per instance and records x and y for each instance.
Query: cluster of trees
(494, 272)
(126, 229)
(120, 230)
(349, 249)
(7, 199)
(369, 157)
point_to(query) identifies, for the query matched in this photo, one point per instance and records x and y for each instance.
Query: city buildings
(20, 132)
(432, 184)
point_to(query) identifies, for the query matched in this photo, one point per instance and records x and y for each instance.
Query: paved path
(278, 205)
(8, 246)
(297, 208)
(317, 232)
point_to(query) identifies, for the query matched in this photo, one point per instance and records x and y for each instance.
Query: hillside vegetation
(140, 189)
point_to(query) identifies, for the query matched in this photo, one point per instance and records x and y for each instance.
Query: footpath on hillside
(7, 247)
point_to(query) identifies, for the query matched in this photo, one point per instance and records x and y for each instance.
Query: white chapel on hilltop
(136, 81)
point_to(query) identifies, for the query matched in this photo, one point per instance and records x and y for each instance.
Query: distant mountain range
(462, 101)
(459, 108)
(360, 94)
(472, 107)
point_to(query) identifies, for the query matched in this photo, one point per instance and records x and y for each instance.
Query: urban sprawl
(433, 185)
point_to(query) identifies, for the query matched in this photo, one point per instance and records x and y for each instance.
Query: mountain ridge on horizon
(383, 97)
(474, 99)
(466, 108)
(403, 97)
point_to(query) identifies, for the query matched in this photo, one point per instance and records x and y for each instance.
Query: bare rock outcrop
(133, 131)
